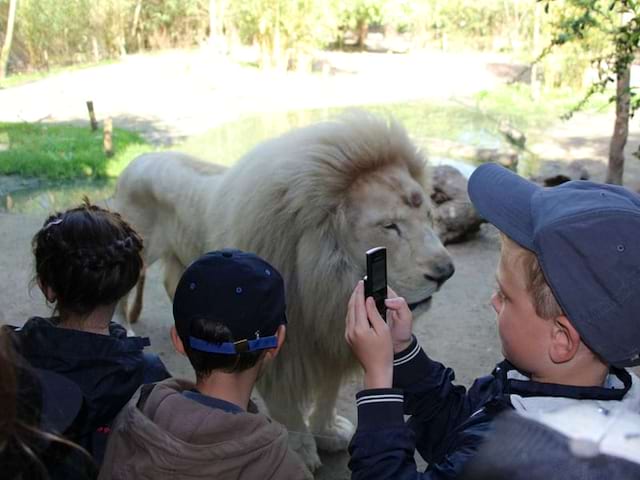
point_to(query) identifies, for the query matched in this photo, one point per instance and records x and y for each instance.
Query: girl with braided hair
(86, 259)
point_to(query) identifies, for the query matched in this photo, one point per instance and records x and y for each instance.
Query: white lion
(311, 202)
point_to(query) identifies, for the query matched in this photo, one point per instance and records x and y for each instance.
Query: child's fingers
(360, 312)
(352, 301)
(397, 303)
(350, 318)
(374, 316)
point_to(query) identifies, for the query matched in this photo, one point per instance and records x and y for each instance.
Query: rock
(556, 172)
(507, 158)
(454, 217)
(514, 136)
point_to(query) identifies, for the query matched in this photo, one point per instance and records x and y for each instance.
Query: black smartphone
(375, 283)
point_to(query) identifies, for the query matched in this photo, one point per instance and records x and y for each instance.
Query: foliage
(170, 23)
(63, 151)
(355, 13)
(54, 32)
(609, 32)
(283, 29)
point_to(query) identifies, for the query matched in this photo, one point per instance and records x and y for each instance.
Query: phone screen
(379, 277)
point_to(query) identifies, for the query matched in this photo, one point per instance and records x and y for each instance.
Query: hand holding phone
(375, 283)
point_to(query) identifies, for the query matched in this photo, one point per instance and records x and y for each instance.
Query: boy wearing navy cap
(567, 305)
(229, 312)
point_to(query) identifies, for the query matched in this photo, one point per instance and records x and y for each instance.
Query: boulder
(505, 157)
(555, 172)
(454, 217)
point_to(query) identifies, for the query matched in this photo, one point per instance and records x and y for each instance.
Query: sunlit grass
(64, 152)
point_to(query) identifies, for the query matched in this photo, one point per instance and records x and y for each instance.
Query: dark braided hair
(88, 256)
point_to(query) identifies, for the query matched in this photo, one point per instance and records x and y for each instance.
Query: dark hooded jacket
(107, 368)
(448, 422)
(162, 434)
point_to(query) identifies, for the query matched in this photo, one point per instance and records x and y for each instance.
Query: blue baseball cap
(586, 237)
(237, 289)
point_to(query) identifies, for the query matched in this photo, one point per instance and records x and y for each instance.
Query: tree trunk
(134, 25)
(213, 23)
(6, 48)
(621, 128)
(363, 30)
(535, 82)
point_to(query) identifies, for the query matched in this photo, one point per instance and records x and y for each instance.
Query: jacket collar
(617, 385)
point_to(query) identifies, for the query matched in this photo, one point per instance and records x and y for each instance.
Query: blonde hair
(542, 297)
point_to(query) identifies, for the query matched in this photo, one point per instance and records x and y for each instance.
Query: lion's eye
(392, 226)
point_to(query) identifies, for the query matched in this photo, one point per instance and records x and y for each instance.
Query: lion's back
(160, 193)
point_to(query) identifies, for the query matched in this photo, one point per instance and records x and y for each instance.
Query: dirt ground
(177, 94)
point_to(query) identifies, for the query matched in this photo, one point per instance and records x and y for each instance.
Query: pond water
(443, 130)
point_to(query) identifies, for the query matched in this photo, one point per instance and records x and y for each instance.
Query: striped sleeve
(410, 366)
(407, 354)
(380, 407)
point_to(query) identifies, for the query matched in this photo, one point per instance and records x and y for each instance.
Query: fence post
(108, 140)
(92, 116)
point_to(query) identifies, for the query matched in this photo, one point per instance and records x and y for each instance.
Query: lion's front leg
(331, 431)
(288, 412)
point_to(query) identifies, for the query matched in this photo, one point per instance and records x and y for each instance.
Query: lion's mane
(285, 200)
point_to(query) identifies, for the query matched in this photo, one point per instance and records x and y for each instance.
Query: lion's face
(390, 208)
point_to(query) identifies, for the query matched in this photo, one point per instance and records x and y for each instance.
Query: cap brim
(61, 401)
(503, 198)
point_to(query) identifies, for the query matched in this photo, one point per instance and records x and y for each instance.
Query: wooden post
(92, 116)
(108, 134)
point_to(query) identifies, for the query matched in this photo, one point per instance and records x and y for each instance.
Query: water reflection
(57, 196)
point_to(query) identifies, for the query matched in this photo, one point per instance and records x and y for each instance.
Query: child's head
(584, 237)
(526, 310)
(228, 307)
(86, 257)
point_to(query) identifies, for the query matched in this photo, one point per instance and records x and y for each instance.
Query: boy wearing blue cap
(567, 308)
(229, 312)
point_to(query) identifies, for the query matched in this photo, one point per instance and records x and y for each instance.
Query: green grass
(516, 103)
(17, 79)
(64, 152)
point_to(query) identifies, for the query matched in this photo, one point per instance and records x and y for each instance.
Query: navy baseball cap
(237, 289)
(586, 237)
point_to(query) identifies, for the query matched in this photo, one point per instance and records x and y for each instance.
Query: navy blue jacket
(107, 368)
(448, 422)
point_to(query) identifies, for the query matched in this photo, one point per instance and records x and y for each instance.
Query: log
(108, 137)
(92, 116)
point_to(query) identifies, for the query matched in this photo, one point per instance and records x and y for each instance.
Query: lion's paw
(305, 446)
(336, 436)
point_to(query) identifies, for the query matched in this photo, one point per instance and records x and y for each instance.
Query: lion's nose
(441, 273)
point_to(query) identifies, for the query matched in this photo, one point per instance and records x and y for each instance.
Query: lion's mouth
(422, 303)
